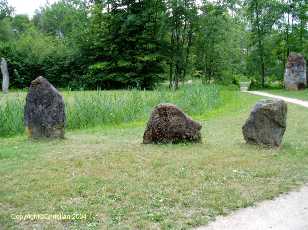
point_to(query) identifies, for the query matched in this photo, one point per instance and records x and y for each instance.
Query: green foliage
(125, 45)
(277, 28)
(238, 78)
(31, 50)
(99, 44)
(5, 9)
(20, 24)
(182, 23)
(221, 56)
(5, 31)
(33, 54)
(62, 19)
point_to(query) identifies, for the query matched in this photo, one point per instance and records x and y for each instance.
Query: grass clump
(87, 109)
(11, 115)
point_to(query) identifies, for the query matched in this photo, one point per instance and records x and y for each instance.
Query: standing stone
(169, 124)
(44, 110)
(5, 75)
(267, 123)
(295, 74)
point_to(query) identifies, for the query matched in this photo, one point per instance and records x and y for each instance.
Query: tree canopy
(139, 43)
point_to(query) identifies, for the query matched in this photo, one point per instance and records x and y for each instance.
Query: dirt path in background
(287, 212)
(286, 99)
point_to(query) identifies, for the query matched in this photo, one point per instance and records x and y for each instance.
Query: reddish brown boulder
(295, 74)
(169, 124)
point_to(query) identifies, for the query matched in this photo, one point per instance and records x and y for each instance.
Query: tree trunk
(189, 44)
(170, 75)
(260, 46)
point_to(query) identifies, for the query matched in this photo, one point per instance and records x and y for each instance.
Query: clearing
(112, 180)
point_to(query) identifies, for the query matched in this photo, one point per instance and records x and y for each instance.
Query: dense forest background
(138, 43)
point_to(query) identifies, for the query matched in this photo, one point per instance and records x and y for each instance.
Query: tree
(182, 15)
(5, 24)
(294, 19)
(62, 18)
(5, 9)
(138, 43)
(20, 23)
(262, 15)
(221, 42)
(126, 44)
(210, 36)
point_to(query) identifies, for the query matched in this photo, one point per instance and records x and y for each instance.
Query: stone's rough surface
(5, 75)
(44, 110)
(267, 123)
(169, 124)
(295, 74)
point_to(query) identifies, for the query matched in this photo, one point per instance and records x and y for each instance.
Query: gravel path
(287, 212)
(287, 99)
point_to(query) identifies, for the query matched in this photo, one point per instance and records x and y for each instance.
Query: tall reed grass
(11, 115)
(87, 109)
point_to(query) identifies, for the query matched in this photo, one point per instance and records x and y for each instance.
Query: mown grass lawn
(108, 175)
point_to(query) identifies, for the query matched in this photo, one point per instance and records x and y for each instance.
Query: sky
(28, 6)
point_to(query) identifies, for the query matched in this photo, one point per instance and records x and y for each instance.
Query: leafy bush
(34, 54)
(241, 78)
(273, 82)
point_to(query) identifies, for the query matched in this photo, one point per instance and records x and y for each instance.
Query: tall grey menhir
(44, 110)
(266, 124)
(5, 75)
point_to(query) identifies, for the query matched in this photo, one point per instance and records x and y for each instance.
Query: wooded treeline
(139, 43)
